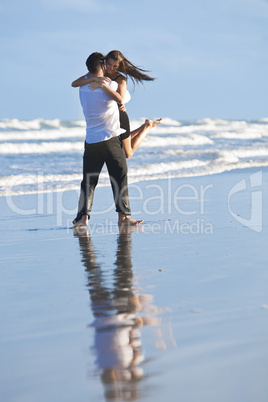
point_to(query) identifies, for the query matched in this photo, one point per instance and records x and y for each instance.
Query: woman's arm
(114, 95)
(84, 81)
(118, 96)
(122, 87)
(81, 81)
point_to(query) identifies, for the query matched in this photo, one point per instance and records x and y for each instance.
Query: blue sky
(210, 57)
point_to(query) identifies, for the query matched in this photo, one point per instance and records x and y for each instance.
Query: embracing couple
(103, 94)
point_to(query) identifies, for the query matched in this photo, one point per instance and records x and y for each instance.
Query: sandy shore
(174, 310)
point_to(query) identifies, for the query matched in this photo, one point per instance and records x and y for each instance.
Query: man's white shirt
(101, 114)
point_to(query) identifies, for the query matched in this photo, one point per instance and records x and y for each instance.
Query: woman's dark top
(124, 120)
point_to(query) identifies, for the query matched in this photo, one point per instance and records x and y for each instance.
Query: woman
(119, 68)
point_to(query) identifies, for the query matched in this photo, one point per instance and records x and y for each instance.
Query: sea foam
(46, 155)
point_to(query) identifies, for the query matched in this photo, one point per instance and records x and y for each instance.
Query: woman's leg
(134, 141)
(138, 135)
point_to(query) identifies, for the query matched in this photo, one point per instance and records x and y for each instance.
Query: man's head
(95, 63)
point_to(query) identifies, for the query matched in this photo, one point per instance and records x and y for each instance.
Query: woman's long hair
(127, 68)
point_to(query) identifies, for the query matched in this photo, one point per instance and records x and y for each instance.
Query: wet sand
(174, 310)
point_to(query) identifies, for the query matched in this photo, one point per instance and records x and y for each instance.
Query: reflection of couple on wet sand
(118, 315)
(103, 92)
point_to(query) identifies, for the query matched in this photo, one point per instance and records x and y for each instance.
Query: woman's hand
(122, 107)
(101, 79)
(97, 82)
(95, 85)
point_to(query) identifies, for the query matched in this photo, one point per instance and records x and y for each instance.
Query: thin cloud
(75, 5)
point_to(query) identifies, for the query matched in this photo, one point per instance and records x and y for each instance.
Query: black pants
(95, 155)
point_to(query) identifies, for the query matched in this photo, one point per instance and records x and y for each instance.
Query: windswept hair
(127, 68)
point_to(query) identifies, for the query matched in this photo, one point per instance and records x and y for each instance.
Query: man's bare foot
(82, 222)
(152, 123)
(125, 220)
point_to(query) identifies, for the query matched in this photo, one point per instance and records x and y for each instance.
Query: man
(102, 145)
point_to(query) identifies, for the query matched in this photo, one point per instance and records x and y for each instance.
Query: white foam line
(223, 161)
(67, 186)
(42, 148)
(37, 179)
(192, 139)
(250, 152)
(37, 124)
(162, 168)
(47, 147)
(46, 135)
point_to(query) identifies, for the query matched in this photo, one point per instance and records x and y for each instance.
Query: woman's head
(113, 63)
(117, 62)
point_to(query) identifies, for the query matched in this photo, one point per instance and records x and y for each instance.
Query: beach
(176, 309)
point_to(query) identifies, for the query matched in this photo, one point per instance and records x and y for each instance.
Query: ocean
(46, 155)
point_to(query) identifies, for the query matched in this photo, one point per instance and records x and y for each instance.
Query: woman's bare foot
(82, 222)
(152, 123)
(125, 220)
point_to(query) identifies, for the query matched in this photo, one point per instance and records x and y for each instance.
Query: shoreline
(134, 181)
(153, 198)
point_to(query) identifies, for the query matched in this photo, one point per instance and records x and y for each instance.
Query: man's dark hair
(94, 62)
